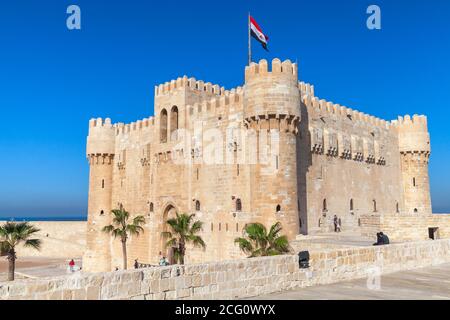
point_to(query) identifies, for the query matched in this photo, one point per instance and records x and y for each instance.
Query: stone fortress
(268, 151)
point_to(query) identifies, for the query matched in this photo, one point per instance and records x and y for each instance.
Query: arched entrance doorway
(169, 213)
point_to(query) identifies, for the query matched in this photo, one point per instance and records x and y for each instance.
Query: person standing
(335, 222)
(72, 265)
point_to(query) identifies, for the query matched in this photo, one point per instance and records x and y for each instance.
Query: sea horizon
(43, 218)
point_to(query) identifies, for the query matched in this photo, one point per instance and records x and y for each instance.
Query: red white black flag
(257, 33)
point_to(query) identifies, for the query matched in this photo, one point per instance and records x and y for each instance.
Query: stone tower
(414, 145)
(272, 113)
(100, 154)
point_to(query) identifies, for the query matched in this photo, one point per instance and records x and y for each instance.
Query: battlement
(306, 89)
(277, 68)
(190, 83)
(413, 134)
(317, 105)
(99, 122)
(218, 104)
(416, 123)
(101, 139)
(134, 126)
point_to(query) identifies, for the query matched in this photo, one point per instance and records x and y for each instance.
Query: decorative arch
(163, 126)
(169, 212)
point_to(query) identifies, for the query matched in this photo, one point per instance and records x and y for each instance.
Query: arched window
(278, 208)
(197, 205)
(151, 207)
(163, 126)
(397, 209)
(324, 205)
(415, 210)
(374, 205)
(102, 212)
(173, 123)
(238, 205)
(351, 204)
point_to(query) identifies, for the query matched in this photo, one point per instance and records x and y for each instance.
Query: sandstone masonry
(268, 151)
(233, 279)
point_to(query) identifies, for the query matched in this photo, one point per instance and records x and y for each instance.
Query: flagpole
(249, 42)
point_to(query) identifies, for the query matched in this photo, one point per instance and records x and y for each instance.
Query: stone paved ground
(427, 283)
(35, 267)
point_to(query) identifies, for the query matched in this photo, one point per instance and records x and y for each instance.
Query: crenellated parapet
(219, 104)
(306, 89)
(122, 128)
(188, 83)
(320, 107)
(101, 138)
(272, 92)
(413, 136)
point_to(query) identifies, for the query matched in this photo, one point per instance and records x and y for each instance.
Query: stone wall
(60, 239)
(234, 279)
(406, 227)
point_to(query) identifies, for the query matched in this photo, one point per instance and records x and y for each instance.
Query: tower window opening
(238, 205)
(414, 182)
(397, 209)
(276, 162)
(103, 183)
(173, 123)
(102, 212)
(415, 210)
(151, 207)
(197, 205)
(163, 126)
(237, 169)
(237, 227)
(324, 205)
(374, 202)
(278, 208)
(351, 204)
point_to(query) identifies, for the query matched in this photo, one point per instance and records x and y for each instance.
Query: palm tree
(13, 234)
(184, 231)
(122, 229)
(257, 242)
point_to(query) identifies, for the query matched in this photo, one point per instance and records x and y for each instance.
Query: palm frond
(197, 241)
(33, 243)
(171, 242)
(244, 245)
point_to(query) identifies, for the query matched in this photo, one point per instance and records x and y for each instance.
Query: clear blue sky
(52, 80)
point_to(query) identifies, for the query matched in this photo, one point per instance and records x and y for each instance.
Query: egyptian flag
(257, 33)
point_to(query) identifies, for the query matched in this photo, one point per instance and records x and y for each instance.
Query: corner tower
(272, 114)
(414, 145)
(100, 154)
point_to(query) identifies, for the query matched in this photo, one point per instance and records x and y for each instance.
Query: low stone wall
(234, 279)
(401, 227)
(60, 239)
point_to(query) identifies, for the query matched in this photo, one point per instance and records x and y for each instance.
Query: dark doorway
(433, 233)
